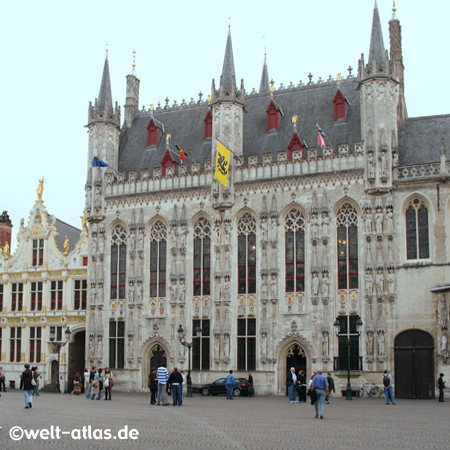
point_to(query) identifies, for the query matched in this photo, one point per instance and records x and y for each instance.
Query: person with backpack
(441, 386)
(388, 389)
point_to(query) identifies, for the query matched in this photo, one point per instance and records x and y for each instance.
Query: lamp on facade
(184, 343)
(58, 345)
(347, 340)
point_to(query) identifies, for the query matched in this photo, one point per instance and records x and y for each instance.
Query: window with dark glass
(36, 296)
(35, 344)
(15, 344)
(152, 133)
(246, 344)
(340, 106)
(118, 263)
(247, 254)
(417, 233)
(16, 296)
(117, 345)
(158, 256)
(295, 251)
(208, 125)
(347, 247)
(80, 295)
(200, 345)
(348, 333)
(56, 295)
(202, 257)
(38, 252)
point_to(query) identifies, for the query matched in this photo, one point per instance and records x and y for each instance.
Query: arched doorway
(296, 357)
(414, 365)
(157, 356)
(53, 372)
(154, 353)
(76, 357)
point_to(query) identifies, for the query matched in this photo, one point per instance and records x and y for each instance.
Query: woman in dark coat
(28, 388)
(301, 387)
(153, 385)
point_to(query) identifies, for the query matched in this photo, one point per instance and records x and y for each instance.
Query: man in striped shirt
(162, 375)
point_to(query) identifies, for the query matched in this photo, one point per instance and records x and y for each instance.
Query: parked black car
(219, 387)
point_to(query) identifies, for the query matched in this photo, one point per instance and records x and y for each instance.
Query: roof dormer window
(207, 134)
(167, 161)
(340, 106)
(273, 117)
(152, 133)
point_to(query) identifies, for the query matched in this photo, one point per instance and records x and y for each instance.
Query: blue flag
(96, 162)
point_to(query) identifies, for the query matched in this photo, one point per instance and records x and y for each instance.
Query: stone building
(43, 288)
(303, 236)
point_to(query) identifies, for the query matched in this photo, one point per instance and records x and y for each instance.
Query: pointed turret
(264, 86)
(132, 99)
(376, 39)
(228, 79)
(104, 101)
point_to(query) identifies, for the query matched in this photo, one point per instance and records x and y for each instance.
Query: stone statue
(314, 225)
(443, 347)
(40, 189)
(66, 246)
(389, 222)
(274, 287)
(140, 240)
(325, 344)
(391, 281)
(369, 344)
(217, 290)
(226, 345)
(379, 222)
(370, 166)
(264, 288)
(325, 223)
(99, 346)
(91, 346)
(132, 240)
(325, 285)
(182, 292)
(264, 345)
(380, 339)
(264, 230)
(130, 347)
(217, 347)
(227, 289)
(368, 223)
(315, 285)
(379, 281)
(131, 293)
(369, 284)
(227, 232)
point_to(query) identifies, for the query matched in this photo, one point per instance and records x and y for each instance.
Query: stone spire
(376, 39)
(132, 99)
(228, 78)
(264, 87)
(395, 39)
(104, 96)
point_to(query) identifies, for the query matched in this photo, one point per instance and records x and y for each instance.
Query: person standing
(153, 385)
(26, 385)
(108, 383)
(176, 383)
(86, 379)
(162, 375)
(291, 382)
(230, 385)
(95, 384)
(36, 375)
(2, 380)
(251, 391)
(330, 387)
(388, 389)
(301, 387)
(91, 379)
(319, 384)
(441, 386)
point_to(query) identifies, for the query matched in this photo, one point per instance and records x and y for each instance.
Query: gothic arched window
(158, 258)
(202, 257)
(118, 263)
(347, 247)
(247, 254)
(417, 237)
(295, 251)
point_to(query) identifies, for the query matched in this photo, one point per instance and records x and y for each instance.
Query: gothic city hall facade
(329, 253)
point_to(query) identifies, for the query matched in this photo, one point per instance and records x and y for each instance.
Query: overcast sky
(53, 54)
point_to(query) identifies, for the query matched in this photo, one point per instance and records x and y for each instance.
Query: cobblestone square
(214, 422)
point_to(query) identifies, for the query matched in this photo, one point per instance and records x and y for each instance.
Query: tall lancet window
(417, 237)
(202, 257)
(347, 247)
(158, 257)
(247, 254)
(118, 263)
(295, 251)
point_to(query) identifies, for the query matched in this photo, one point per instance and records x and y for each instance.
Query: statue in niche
(102, 243)
(379, 222)
(391, 281)
(264, 345)
(444, 316)
(325, 285)
(140, 240)
(383, 165)
(325, 223)
(66, 246)
(314, 225)
(217, 231)
(132, 240)
(183, 234)
(274, 258)
(131, 293)
(216, 346)
(369, 283)
(390, 222)
(227, 232)
(226, 345)
(368, 222)
(217, 290)
(94, 244)
(369, 344)
(379, 282)
(173, 293)
(100, 293)
(370, 166)
(139, 294)
(217, 265)
(264, 230)
(443, 345)
(99, 346)
(315, 285)
(130, 347)
(274, 287)
(227, 289)
(227, 260)
(91, 346)
(274, 230)
(380, 340)
(182, 292)
(325, 344)
(264, 288)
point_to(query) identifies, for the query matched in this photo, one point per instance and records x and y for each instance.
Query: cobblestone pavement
(216, 423)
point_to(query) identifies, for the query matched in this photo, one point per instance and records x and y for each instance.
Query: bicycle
(371, 390)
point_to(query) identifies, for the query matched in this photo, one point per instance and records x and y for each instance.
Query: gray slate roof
(419, 139)
(311, 104)
(64, 229)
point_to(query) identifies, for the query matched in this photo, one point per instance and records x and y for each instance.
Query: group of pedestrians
(162, 382)
(96, 380)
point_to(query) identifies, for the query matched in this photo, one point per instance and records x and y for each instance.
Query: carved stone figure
(132, 240)
(182, 293)
(227, 232)
(99, 346)
(315, 285)
(274, 287)
(264, 230)
(325, 285)
(130, 347)
(264, 288)
(389, 222)
(131, 293)
(217, 290)
(379, 281)
(216, 346)
(314, 225)
(369, 344)
(227, 289)
(370, 166)
(40, 189)
(226, 345)
(379, 222)
(66, 246)
(91, 346)
(368, 223)
(391, 281)
(325, 339)
(443, 346)
(380, 340)
(325, 224)
(264, 345)
(369, 283)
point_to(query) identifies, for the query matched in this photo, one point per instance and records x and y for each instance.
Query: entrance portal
(157, 357)
(76, 358)
(414, 365)
(296, 358)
